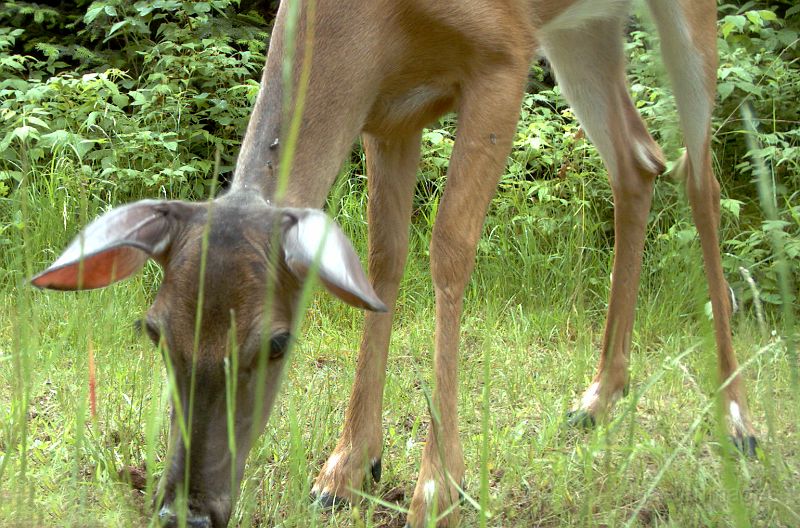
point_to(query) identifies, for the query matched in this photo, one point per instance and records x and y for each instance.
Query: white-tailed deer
(384, 69)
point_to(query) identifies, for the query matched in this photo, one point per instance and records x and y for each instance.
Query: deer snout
(217, 516)
(169, 519)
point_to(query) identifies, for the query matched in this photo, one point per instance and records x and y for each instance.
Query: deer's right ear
(113, 247)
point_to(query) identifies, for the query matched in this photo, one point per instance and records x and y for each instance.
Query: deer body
(384, 69)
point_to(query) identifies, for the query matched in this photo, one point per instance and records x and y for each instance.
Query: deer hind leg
(488, 113)
(589, 66)
(688, 41)
(391, 172)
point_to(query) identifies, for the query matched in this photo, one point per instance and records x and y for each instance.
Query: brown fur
(388, 68)
(383, 69)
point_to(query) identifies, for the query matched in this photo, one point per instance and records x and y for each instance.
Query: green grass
(533, 322)
(530, 333)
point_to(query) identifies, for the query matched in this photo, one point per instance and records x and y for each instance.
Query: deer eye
(152, 331)
(279, 344)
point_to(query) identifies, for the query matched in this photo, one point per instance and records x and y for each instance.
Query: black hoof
(376, 469)
(329, 501)
(746, 444)
(580, 418)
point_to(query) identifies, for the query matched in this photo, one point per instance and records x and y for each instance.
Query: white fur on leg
(590, 396)
(333, 461)
(330, 467)
(736, 417)
(645, 157)
(428, 491)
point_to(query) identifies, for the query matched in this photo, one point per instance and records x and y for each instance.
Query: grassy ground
(530, 334)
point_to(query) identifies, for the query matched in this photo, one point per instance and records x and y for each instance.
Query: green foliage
(151, 116)
(758, 68)
(552, 166)
(137, 99)
(107, 101)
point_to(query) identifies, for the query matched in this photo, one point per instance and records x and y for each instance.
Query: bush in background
(113, 101)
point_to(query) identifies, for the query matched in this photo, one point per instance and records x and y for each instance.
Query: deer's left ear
(311, 239)
(113, 247)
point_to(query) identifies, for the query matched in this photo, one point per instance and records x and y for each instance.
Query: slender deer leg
(391, 170)
(590, 68)
(487, 116)
(692, 26)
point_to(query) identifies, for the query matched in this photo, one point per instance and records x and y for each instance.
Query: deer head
(249, 298)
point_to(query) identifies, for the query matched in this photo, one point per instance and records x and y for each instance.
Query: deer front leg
(391, 172)
(487, 117)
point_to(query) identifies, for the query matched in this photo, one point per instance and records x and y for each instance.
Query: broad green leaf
(768, 15)
(25, 131)
(731, 205)
(36, 121)
(116, 27)
(755, 18)
(724, 89)
(92, 13)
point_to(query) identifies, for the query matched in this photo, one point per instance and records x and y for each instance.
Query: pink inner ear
(93, 271)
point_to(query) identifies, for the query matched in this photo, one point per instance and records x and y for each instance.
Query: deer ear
(309, 238)
(111, 248)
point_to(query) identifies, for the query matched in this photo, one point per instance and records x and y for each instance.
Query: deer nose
(169, 519)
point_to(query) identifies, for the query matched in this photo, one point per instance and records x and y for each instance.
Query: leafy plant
(179, 93)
